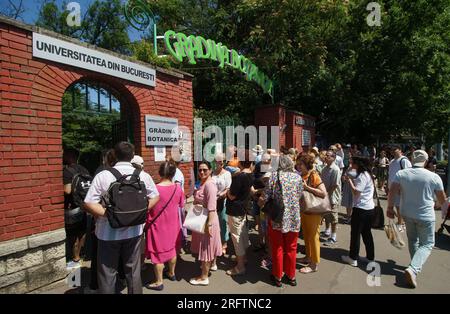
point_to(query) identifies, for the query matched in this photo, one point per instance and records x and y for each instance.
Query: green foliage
(143, 51)
(85, 130)
(362, 83)
(103, 24)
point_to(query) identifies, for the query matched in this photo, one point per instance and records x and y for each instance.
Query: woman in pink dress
(163, 223)
(208, 245)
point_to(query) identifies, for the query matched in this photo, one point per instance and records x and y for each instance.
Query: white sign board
(306, 137)
(160, 153)
(160, 131)
(49, 48)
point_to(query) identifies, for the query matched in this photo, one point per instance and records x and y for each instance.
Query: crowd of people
(237, 185)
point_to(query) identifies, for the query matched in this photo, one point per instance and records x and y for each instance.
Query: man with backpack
(76, 180)
(399, 162)
(120, 197)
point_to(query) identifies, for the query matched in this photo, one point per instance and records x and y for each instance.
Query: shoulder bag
(274, 206)
(313, 204)
(378, 215)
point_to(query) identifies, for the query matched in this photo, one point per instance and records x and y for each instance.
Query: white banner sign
(61, 51)
(160, 131)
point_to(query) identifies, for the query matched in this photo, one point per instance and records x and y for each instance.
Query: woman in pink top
(163, 223)
(208, 245)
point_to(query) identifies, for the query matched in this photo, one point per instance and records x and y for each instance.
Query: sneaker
(410, 277)
(199, 282)
(73, 265)
(213, 267)
(330, 242)
(349, 260)
(325, 234)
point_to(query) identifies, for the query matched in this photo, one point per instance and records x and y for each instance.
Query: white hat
(138, 160)
(315, 149)
(258, 149)
(419, 158)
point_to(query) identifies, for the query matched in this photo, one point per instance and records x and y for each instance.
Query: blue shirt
(418, 186)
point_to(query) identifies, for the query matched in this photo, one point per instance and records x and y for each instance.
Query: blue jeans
(420, 241)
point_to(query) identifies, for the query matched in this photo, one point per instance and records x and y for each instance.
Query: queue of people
(232, 190)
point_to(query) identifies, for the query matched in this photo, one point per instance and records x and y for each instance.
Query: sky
(32, 8)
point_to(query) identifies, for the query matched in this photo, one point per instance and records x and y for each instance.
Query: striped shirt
(100, 185)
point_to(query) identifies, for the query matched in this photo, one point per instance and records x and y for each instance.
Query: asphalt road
(333, 276)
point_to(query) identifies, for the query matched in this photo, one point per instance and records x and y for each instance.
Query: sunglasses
(203, 170)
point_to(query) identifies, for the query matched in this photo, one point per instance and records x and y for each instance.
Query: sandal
(154, 286)
(171, 278)
(235, 272)
(289, 281)
(276, 282)
(307, 270)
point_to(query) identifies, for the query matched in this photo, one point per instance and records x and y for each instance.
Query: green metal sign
(140, 16)
(196, 47)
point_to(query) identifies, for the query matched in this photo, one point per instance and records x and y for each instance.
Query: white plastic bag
(393, 235)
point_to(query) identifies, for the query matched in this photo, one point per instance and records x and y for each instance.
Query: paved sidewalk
(333, 276)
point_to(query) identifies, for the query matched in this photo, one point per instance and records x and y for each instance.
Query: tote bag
(313, 204)
(196, 219)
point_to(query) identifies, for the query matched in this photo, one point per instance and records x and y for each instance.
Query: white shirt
(223, 181)
(364, 184)
(418, 187)
(339, 162)
(394, 167)
(340, 153)
(179, 177)
(100, 185)
(382, 162)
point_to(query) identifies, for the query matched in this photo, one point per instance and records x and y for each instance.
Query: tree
(103, 24)
(13, 9)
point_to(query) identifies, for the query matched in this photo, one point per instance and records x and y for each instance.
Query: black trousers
(361, 226)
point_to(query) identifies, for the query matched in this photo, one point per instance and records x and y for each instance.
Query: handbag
(315, 205)
(393, 235)
(274, 206)
(196, 219)
(378, 214)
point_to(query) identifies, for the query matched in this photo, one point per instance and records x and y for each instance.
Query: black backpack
(126, 200)
(81, 182)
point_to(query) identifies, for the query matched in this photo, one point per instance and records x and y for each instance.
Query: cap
(419, 158)
(258, 149)
(138, 160)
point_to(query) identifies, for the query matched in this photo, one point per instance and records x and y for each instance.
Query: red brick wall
(292, 134)
(31, 189)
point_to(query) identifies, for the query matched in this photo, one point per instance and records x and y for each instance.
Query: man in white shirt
(118, 243)
(398, 163)
(418, 186)
(339, 160)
